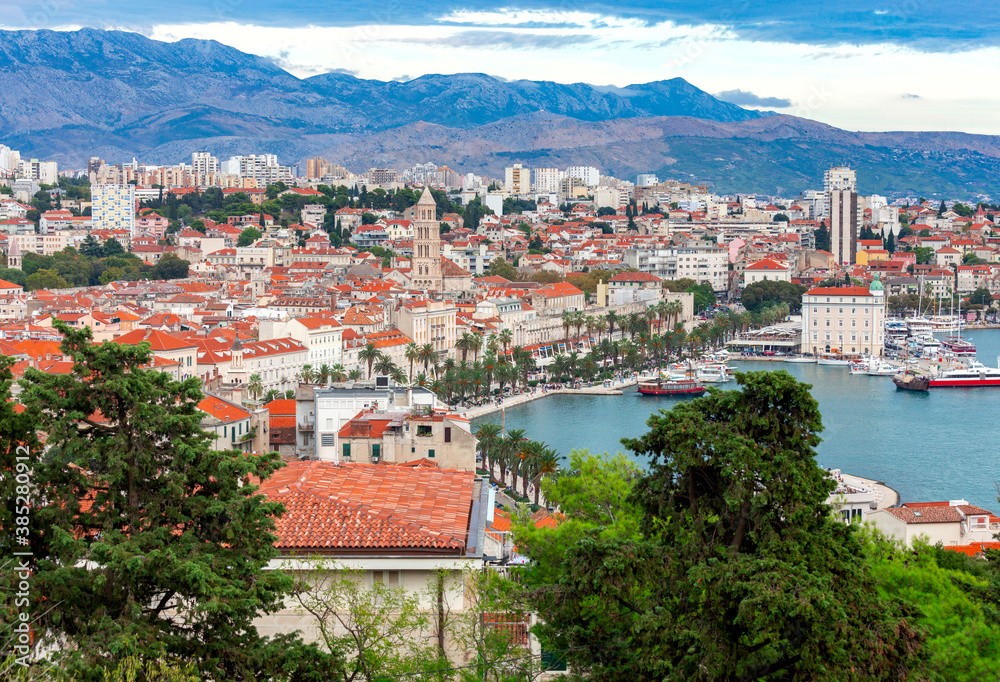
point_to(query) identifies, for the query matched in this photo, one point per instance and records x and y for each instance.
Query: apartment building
(701, 263)
(113, 207)
(845, 320)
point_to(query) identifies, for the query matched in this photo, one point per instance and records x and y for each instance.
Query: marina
(927, 445)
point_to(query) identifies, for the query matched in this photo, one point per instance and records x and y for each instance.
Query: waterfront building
(951, 523)
(846, 320)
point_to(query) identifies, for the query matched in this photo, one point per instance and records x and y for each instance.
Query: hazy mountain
(69, 95)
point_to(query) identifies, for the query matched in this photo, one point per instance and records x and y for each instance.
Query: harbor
(925, 445)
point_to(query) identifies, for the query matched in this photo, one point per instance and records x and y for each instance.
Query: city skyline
(856, 67)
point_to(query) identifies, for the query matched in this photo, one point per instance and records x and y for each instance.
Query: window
(447, 434)
(225, 431)
(430, 453)
(424, 430)
(347, 450)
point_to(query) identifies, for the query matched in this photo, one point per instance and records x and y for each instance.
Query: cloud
(507, 40)
(909, 95)
(745, 98)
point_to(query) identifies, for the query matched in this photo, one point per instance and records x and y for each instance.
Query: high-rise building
(590, 175)
(9, 158)
(547, 180)
(46, 172)
(203, 164)
(844, 214)
(646, 180)
(113, 207)
(426, 271)
(517, 179)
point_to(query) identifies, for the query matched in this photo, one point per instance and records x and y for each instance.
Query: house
(955, 522)
(415, 528)
(766, 270)
(229, 424)
(403, 436)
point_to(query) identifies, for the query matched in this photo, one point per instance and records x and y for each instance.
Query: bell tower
(426, 273)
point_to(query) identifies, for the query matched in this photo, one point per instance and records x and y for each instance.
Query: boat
(861, 366)
(959, 346)
(880, 368)
(801, 358)
(911, 382)
(833, 359)
(976, 375)
(713, 374)
(945, 323)
(919, 325)
(672, 387)
(925, 344)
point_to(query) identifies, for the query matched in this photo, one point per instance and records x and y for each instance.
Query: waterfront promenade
(884, 495)
(613, 387)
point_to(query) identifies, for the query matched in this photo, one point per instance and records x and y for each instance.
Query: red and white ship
(959, 346)
(672, 387)
(976, 375)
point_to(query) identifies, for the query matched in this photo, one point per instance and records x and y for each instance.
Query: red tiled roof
(926, 515)
(974, 548)
(222, 410)
(369, 506)
(281, 406)
(838, 291)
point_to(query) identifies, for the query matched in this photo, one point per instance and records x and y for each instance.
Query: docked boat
(713, 374)
(861, 366)
(919, 325)
(911, 382)
(925, 344)
(880, 368)
(801, 358)
(672, 387)
(945, 323)
(832, 359)
(976, 375)
(959, 346)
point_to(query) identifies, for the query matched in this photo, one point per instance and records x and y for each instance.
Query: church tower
(14, 254)
(426, 272)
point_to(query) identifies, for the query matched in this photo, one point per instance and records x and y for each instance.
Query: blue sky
(877, 65)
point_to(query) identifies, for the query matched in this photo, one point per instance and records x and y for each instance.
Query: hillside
(70, 95)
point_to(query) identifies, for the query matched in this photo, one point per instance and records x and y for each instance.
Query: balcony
(306, 426)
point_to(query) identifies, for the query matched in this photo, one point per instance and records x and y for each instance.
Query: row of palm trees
(664, 313)
(525, 460)
(649, 349)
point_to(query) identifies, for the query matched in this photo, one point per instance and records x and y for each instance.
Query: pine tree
(152, 543)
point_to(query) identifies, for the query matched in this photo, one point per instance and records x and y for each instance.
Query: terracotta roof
(222, 410)
(974, 548)
(281, 406)
(926, 515)
(370, 506)
(158, 341)
(635, 277)
(838, 291)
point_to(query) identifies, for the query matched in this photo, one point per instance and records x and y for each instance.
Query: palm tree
(273, 394)
(255, 387)
(337, 373)
(369, 354)
(558, 367)
(384, 365)
(489, 368)
(464, 344)
(307, 374)
(525, 363)
(354, 374)
(397, 375)
(546, 464)
(324, 373)
(506, 337)
(290, 394)
(612, 318)
(509, 449)
(427, 356)
(412, 354)
(567, 322)
(476, 345)
(489, 440)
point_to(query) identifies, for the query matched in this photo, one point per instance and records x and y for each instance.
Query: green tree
(759, 295)
(741, 571)
(46, 279)
(248, 236)
(111, 275)
(255, 387)
(822, 236)
(890, 243)
(981, 296)
(170, 267)
(154, 544)
(501, 268)
(924, 254)
(14, 276)
(112, 247)
(91, 247)
(369, 354)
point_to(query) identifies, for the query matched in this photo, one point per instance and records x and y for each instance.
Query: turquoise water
(940, 445)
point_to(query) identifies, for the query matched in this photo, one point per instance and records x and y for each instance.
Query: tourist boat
(861, 366)
(833, 359)
(945, 323)
(713, 374)
(959, 346)
(672, 387)
(801, 358)
(976, 375)
(911, 382)
(925, 344)
(880, 368)
(919, 325)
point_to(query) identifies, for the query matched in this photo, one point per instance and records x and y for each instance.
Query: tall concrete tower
(426, 273)
(841, 185)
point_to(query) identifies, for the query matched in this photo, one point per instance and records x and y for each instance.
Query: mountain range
(69, 95)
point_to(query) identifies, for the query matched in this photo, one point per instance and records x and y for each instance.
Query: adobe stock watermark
(21, 637)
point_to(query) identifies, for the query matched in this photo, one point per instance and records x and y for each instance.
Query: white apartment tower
(46, 172)
(426, 271)
(590, 175)
(203, 164)
(547, 180)
(517, 179)
(841, 188)
(114, 207)
(9, 158)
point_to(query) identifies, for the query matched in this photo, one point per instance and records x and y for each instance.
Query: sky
(859, 65)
